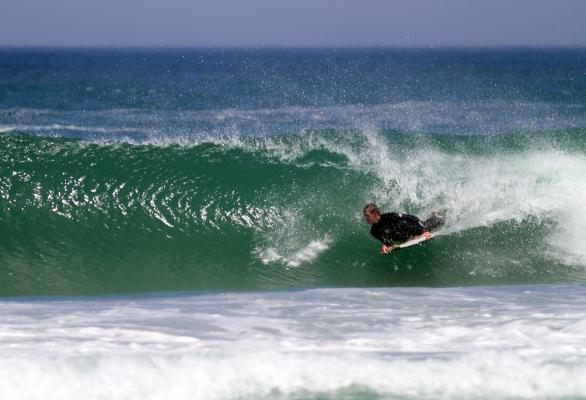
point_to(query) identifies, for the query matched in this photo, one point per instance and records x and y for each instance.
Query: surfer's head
(371, 213)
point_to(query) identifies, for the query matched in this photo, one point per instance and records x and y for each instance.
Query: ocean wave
(80, 216)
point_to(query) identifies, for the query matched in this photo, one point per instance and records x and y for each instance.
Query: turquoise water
(233, 181)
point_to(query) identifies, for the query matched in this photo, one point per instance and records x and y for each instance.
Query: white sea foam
(485, 343)
(483, 190)
(295, 258)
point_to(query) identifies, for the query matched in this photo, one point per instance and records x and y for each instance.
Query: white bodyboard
(413, 242)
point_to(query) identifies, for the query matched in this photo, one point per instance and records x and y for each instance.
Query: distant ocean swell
(232, 212)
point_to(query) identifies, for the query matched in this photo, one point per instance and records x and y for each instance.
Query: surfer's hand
(384, 249)
(426, 235)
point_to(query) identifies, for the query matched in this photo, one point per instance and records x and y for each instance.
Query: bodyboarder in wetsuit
(394, 227)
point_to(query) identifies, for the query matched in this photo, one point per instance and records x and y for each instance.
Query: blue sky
(293, 23)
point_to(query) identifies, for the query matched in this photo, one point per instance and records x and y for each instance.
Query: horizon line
(286, 47)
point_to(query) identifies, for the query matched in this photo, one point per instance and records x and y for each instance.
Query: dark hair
(371, 208)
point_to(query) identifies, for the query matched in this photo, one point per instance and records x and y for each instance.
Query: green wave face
(254, 213)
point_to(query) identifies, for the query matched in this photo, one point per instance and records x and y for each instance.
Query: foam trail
(303, 255)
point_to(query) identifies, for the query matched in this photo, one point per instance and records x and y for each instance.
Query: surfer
(395, 227)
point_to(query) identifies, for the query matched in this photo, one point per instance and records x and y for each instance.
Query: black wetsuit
(394, 227)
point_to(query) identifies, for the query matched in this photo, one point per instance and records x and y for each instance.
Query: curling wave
(80, 217)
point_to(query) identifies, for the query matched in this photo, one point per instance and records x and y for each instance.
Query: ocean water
(186, 223)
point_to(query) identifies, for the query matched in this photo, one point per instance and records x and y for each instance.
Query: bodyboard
(414, 241)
